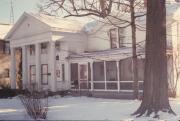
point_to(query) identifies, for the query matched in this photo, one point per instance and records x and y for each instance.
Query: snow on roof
(57, 23)
(171, 8)
(4, 29)
(124, 51)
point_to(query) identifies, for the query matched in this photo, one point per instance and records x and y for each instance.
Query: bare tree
(107, 9)
(155, 93)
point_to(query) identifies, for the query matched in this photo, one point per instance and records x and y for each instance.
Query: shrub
(35, 103)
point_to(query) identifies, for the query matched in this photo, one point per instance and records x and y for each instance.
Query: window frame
(44, 48)
(44, 74)
(30, 67)
(32, 50)
(111, 38)
(86, 65)
(57, 46)
(119, 37)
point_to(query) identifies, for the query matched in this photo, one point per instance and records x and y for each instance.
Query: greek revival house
(61, 54)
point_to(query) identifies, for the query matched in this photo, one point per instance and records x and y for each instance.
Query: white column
(105, 75)
(117, 64)
(92, 84)
(24, 66)
(13, 69)
(52, 62)
(38, 65)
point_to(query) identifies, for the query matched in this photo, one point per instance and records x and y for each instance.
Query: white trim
(13, 69)
(118, 74)
(24, 66)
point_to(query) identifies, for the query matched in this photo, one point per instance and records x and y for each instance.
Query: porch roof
(118, 53)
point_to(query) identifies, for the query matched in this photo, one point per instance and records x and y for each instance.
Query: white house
(61, 54)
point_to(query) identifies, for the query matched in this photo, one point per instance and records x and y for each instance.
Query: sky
(20, 6)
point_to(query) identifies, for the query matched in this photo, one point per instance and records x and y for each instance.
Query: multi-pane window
(32, 49)
(44, 74)
(116, 37)
(57, 46)
(32, 74)
(44, 48)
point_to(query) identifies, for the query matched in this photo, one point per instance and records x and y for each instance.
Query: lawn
(85, 108)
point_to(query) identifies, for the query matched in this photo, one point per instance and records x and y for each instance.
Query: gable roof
(59, 24)
(55, 23)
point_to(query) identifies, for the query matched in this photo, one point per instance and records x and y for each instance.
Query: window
(32, 49)
(57, 46)
(63, 72)
(116, 37)
(126, 73)
(6, 73)
(44, 74)
(121, 37)
(32, 74)
(7, 48)
(111, 71)
(83, 71)
(126, 70)
(57, 57)
(44, 48)
(83, 76)
(98, 71)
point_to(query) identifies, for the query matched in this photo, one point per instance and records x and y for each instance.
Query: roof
(59, 24)
(121, 53)
(55, 23)
(4, 29)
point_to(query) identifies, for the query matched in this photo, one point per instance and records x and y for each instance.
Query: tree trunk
(155, 93)
(134, 59)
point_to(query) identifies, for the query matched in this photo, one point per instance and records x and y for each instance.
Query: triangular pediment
(27, 26)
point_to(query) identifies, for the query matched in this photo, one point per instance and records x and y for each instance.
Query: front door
(83, 75)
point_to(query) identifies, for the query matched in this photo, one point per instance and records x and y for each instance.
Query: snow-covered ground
(85, 108)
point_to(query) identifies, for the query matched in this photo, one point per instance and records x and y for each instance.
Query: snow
(85, 108)
(60, 24)
(4, 29)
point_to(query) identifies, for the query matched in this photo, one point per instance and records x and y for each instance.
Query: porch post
(117, 65)
(52, 66)
(13, 69)
(38, 65)
(105, 78)
(24, 66)
(91, 66)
